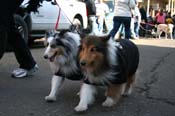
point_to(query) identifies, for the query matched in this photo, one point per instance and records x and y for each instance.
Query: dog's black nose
(83, 63)
(46, 56)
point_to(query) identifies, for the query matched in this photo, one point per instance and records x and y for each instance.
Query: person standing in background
(137, 21)
(143, 20)
(160, 17)
(122, 15)
(101, 10)
(91, 14)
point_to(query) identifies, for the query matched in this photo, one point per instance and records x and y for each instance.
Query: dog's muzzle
(51, 59)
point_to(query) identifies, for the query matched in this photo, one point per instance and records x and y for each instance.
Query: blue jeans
(117, 21)
(136, 28)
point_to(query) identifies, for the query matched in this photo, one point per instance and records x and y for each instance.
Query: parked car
(34, 25)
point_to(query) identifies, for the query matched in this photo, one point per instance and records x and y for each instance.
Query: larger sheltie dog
(61, 51)
(107, 62)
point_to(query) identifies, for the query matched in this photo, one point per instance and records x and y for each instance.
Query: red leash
(148, 24)
(57, 22)
(58, 19)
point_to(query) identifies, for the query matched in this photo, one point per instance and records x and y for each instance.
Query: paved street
(154, 94)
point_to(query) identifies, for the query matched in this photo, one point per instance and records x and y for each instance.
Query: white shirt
(101, 9)
(123, 7)
(136, 14)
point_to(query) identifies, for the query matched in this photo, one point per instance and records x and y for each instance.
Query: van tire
(78, 25)
(21, 27)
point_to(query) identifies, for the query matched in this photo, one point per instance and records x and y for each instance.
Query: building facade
(167, 5)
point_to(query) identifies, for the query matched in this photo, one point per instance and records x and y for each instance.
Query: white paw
(50, 98)
(128, 92)
(108, 102)
(80, 108)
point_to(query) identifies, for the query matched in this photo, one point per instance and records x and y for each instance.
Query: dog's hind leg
(55, 85)
(113, 94)
(129, 85)
(171, 36)
(166, 34)
(160, 33)
(87, 96)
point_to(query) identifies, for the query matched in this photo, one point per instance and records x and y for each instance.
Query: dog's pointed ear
(62, 32)
(105, 38)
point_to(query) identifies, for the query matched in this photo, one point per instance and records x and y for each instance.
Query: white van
(34, 25)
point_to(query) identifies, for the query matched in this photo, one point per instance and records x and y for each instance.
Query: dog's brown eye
(80, 47)
(93, 49)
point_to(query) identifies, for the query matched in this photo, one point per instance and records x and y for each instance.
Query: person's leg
(136, 29)
(27, 65)
(21, 50)
(105, 29)
(3, 39)
(116, 26)
(100, 24)
(94, 30)
(174, 32)
(127, 23)
(3, 31)
(132, 27)
(7, 8)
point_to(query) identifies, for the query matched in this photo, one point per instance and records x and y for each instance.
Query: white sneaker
(20, 72)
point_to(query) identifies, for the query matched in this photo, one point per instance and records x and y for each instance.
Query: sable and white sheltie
(61, 51)
(107, 62)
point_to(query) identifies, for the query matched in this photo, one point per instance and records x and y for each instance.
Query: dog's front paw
(108, 102)
(81, 108)
(127, 92)
(50, 98)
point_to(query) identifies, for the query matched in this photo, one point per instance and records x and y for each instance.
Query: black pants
(3, 40)
(117, 21)
(21, 50)
(10, 35)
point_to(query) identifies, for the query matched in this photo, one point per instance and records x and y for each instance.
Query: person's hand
(33, 5)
